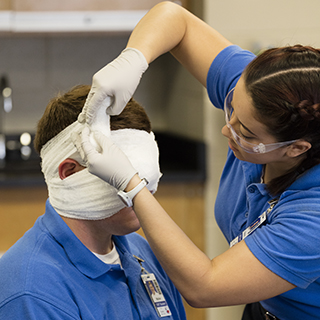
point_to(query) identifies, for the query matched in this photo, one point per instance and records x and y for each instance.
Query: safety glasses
(242, 143)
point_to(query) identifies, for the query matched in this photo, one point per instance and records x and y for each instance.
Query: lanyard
(153, 289)
(255, 224)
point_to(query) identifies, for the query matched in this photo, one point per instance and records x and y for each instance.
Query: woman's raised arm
(170, 27)
(166, 27)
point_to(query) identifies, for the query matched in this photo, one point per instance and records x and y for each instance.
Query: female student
(268, 204)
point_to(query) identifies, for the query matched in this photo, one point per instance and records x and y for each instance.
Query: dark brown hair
(64, 109)
(284, 84)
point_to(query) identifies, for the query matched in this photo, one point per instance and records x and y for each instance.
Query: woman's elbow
(199, 299)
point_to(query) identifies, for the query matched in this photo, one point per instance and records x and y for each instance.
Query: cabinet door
(5, 4)
(19, 209)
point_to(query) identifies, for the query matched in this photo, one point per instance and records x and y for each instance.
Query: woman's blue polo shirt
(289, 243)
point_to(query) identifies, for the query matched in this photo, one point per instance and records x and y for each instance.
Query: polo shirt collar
(80, 256)
(309, 179)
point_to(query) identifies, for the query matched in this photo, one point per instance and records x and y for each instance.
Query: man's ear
(67, 167)
(298, 148)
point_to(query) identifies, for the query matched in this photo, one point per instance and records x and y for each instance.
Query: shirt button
(251, 189)
(247, 213)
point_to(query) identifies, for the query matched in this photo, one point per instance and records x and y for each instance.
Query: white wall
(272, 22)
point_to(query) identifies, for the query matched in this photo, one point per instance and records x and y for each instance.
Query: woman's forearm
(234, 277)
(172, 247)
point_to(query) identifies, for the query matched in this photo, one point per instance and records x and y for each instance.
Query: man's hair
(64, 109)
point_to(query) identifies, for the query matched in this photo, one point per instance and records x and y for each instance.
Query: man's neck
(91, 233)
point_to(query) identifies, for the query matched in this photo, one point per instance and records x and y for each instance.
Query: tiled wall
(40, 66)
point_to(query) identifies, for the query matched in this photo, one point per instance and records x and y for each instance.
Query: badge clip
(153, 289)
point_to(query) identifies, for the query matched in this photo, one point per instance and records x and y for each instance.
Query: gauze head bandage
(83, 195)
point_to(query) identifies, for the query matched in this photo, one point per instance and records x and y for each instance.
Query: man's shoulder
(32, 259)
(28, 277)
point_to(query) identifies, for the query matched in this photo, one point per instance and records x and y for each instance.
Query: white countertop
(69, 21)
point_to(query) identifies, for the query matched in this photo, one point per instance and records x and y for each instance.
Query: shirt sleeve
(225, 72)
(288, 243)
(30, 307)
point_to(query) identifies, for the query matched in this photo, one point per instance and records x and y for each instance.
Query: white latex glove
(118, 80)
(110, 164)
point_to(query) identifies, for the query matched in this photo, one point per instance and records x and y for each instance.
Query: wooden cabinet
(72, 16)
(184, 202)
(5, 5)
(76, 5)
(19, 209)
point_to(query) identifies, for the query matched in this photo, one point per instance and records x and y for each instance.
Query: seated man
(82, 258)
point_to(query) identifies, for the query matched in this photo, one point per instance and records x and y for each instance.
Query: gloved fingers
(94, 103)
(119, 80)
(117, 106)
(104, 143)
(83, 115)
(116, 165)
(83, 145)
(86, 144)
(76, 139)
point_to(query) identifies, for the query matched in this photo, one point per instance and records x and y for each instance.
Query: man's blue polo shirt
(50, 274)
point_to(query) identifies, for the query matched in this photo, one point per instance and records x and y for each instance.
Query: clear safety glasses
(242, 143)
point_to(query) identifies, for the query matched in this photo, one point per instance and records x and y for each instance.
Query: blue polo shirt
(288, 244)
(50, 274)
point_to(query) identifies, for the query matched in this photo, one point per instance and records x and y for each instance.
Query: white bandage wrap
(83, 195)
(101, 121)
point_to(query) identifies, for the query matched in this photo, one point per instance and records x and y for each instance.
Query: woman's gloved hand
(118, 80)
(110, 164)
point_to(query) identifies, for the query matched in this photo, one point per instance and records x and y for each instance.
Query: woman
(268, 205)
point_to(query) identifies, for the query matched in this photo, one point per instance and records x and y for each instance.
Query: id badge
(256, 224)
(159, 302)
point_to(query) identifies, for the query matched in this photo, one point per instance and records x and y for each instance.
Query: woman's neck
(277, 169)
